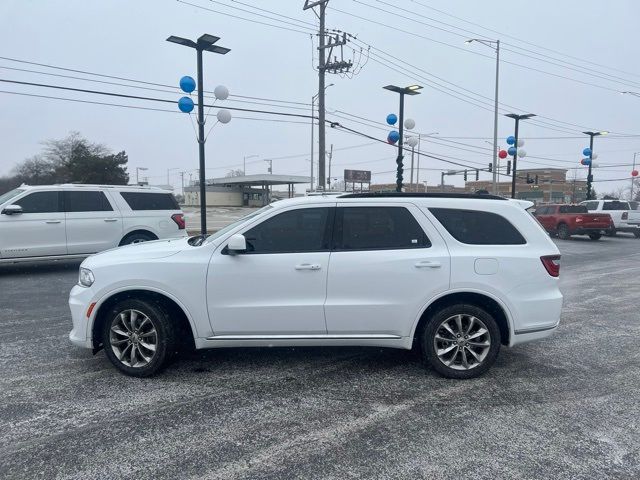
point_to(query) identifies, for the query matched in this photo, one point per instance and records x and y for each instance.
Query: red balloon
(502, 154)
(634, 173)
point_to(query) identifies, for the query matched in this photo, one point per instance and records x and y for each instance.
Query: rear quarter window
(615, 205)
(573, 209)
(475, 227)
(150, 201)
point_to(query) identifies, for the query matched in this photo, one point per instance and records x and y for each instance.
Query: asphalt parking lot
(565, 408)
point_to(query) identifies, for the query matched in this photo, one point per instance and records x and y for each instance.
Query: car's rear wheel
(636, 234)
(137, 237)
(595, 236)
(461, 341)
(138, 337)
(563, 231)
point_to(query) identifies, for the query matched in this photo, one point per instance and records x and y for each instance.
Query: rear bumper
(588, 230)
(525, 336)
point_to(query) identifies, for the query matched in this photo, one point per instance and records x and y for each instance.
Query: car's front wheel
(612, 232)
(138, 337)
(595, 236)
(563, 231)
(461, 341)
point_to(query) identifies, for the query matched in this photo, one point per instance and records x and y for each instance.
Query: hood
(139, 251)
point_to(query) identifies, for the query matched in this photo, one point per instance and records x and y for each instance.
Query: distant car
(567, 220)
(64, 221)
(455, 275)
(634, 205)
(624, 218)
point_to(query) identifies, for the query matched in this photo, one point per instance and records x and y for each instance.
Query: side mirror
(12, 210)
(237, 244)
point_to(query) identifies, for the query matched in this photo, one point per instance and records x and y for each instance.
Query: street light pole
(491, 43)
(204, 42)
(244, 162)
(590, 175)
(410, 90)
(517, 118)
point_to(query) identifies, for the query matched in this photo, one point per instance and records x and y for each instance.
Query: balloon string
(194, 126)
(207, 136)
(209, 111)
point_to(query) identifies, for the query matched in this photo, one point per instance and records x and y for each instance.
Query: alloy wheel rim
(133, 338)
(462, 342)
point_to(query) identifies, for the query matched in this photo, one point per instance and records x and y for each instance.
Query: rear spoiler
(523, 203)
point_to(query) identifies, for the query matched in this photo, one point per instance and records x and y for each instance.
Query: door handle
(110, 219)
(428, 264)
(53, 221)
(308, 266)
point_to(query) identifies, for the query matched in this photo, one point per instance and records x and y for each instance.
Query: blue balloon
(187, 84)
(392, 119)
(586, 152)
(586, 161)
(185, 104)
(393, 136)
(512, 151)
(511, 140)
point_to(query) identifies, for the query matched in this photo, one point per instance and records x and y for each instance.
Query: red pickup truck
(566, 220)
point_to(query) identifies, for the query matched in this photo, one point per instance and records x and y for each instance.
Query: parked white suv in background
(457, 275)
(625, 219)
(61, 221)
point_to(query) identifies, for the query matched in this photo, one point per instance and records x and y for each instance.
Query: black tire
(563, 231)
(595, 236)
(636, 234)
(429, 340)
(611, 233)
(137, 237)
(165, 338)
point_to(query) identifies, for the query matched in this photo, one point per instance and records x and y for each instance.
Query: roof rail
(481, 196)
(88, 185)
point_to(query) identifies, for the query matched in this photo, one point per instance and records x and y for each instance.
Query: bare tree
(235, 173)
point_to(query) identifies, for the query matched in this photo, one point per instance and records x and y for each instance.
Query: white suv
(62, 221)
(457, 275)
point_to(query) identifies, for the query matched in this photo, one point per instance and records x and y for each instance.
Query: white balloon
(221, 92)
(594, 156)
(409, 123)
(412, 141)
(520, 143)
(522, 152)
(224, 116)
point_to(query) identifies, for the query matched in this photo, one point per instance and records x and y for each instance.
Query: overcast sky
(127, 39)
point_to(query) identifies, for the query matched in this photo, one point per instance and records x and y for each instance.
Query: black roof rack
(481, 196)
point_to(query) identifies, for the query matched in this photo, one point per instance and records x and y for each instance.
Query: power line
(520, 40)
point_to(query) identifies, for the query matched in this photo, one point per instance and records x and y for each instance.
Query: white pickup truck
(624, 218)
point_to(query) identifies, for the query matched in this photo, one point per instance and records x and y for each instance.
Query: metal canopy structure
(260, 180)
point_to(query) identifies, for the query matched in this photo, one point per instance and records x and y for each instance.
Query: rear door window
(40, 202)
(573, 209)
(475, 227)
(591, 205)
(86, 202)
(377, 228)
(615, 205)
(150, 201)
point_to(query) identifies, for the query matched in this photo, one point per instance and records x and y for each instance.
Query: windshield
(240, 221)
(9, 195)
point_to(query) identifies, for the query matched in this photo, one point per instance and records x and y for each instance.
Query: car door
(36, 232)
(278, 286)
(387, 261)
(93, 223)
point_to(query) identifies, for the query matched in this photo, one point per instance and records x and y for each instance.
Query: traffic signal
(477, 174)
(490, 167)
(465, 175)
(536, 179)
(508, 167)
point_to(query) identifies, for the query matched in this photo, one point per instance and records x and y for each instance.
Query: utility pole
(270, 166)
(335, 66)
(329, 177)
(182, 182)
(442, 181)
(313, 99)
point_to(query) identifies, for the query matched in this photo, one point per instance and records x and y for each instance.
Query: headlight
(86, 278)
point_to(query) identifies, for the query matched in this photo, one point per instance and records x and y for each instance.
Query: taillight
(552, 264)
(579, 219)
(625, 215)
(179, 219)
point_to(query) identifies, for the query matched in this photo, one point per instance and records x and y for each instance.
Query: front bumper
(79, 300)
